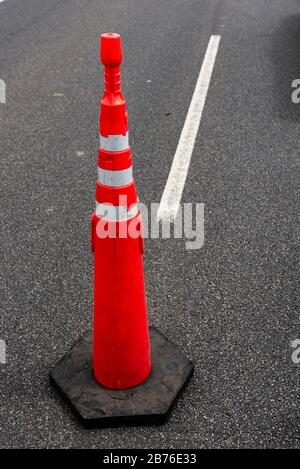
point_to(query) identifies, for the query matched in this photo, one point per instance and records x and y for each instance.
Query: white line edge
(171, 197)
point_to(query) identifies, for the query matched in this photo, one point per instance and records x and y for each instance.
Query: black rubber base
(147, 404)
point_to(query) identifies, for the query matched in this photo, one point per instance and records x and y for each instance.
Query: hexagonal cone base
(150, 403)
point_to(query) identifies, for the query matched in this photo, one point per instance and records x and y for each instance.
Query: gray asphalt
(232, 306)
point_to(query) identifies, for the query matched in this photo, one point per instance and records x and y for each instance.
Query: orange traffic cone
(121, 338)
(108, 380)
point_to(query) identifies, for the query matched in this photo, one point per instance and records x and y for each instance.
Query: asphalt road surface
(230, 306)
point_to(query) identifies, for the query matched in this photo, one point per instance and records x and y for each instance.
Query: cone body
(121, 355)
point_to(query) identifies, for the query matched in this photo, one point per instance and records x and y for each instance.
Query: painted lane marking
(171, 197)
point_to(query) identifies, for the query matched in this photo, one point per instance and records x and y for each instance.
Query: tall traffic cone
(121, 338)
(108, 379)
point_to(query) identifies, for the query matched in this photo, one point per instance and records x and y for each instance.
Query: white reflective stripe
(114, 142)
(115, 178)
(112, 212)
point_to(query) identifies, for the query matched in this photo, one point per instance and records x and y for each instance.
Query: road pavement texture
(231, 306)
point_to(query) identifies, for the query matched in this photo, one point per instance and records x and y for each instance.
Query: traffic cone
(121, 337)
(107, 377)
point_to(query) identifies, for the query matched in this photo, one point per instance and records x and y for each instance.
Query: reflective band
(114, 142)
(111, 212)
(115, 178)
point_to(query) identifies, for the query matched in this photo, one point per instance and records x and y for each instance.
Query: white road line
(1, 1)
(171, 197)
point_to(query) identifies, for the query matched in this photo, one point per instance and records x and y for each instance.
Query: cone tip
(111, 49)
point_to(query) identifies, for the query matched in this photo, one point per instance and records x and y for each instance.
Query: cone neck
(112, 80)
